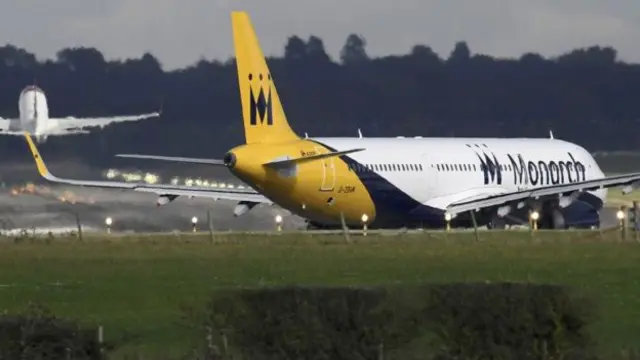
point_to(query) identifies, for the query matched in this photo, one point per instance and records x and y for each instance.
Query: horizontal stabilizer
(15, 133)
(171, 158)
(288, 162)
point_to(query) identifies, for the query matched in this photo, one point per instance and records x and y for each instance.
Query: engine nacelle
(630, 188)
(504, 211)
(565, 201)
(243, 207)
(165, 199)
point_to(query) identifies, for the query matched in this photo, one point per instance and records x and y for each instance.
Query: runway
(130, 211)
(46, 207)
(137, 212)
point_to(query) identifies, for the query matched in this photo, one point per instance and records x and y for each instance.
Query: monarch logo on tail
(260, 106)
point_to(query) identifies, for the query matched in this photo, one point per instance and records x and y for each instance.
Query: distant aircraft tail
(262, 112)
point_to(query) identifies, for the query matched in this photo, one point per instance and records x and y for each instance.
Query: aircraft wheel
(557, 219)
(497, 223)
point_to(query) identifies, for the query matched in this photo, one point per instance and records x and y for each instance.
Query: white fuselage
(34, 111)
(435, 172)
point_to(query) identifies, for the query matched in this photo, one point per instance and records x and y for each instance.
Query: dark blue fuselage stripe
(392, 204)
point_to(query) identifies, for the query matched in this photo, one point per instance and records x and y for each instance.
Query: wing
(10, 126)
(630, 181)
(164, 189)
(71, 122)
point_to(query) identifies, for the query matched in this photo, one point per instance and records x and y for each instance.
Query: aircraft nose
(229, 160)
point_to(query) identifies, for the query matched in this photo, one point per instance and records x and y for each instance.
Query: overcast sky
(179, 32)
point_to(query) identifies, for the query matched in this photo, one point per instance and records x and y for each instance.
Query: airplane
(34, 118)
(390, 182)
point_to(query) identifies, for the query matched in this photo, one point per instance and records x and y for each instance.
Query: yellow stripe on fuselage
(319, 189)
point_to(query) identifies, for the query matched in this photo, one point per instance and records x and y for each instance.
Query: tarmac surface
(54, 209)
(45, 207)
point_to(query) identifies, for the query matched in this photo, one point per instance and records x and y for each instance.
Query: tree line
(586, 95)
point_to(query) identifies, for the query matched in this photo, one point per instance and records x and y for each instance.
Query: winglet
(42, 168)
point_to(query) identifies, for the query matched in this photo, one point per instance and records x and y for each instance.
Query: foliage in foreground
(479, 321)
(38, 334)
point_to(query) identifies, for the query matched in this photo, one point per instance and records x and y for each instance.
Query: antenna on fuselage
(359, 133)
(551, 134)
(306, 136)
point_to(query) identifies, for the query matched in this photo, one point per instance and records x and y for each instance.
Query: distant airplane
(388, 182)
(34, 118)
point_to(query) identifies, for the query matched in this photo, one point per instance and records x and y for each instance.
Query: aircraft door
(429, 173)
(328, 181)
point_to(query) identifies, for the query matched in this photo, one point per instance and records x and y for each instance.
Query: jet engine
(243, 207)
(165, 199)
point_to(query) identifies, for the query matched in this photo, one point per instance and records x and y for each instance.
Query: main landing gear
(551, 217)
(497, 223)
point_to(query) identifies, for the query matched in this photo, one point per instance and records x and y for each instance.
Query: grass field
(138, 286)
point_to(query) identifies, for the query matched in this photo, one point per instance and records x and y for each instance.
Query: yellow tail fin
(262, 112)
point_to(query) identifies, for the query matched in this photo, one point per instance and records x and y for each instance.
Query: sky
(181, 32)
